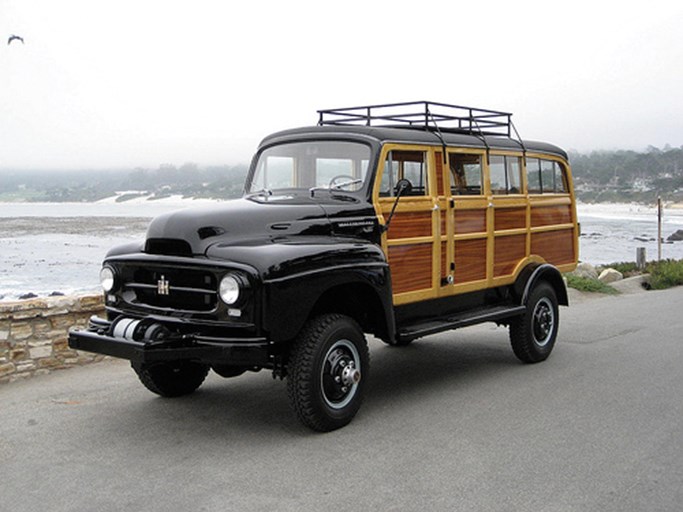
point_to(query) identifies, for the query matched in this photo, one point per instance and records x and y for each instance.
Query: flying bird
(13, 38)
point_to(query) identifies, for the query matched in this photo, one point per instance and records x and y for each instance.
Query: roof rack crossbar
(426, 115)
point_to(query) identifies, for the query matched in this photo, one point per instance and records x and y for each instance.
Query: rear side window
(465, 174)
(505, 174)
(545, 176)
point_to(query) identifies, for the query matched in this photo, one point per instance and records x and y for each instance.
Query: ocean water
(58, 247)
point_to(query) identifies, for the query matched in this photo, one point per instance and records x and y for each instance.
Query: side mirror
(402, 187)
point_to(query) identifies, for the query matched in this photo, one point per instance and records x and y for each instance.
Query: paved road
(452, 422)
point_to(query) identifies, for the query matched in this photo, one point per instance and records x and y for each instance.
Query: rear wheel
(327, 371)
(533, 334)
(171, 379)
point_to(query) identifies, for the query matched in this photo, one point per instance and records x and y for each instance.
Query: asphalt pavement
(451, 422)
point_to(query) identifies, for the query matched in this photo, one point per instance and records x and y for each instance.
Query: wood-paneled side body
(462, 235)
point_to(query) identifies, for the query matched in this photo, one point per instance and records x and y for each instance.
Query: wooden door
(412, 240)
(466, 234)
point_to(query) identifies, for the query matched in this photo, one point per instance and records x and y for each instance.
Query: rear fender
(536, 272)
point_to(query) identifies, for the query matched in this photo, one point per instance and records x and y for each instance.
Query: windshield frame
(363, 191)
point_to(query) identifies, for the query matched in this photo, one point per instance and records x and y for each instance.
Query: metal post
(641, 258)
(659, 228)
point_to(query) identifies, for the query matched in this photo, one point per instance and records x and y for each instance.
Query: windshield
(332, 165)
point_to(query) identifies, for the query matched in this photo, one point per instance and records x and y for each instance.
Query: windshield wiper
(263, 192)
(336, 187)
(346, 184)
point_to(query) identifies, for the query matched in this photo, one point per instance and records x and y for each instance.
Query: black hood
(235, 222)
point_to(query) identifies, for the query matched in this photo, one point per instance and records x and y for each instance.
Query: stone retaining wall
(33, 334)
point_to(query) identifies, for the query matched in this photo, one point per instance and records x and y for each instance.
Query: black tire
(171, 379)
(533, 334)
(327, 371)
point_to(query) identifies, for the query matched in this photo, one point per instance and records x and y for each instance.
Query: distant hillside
(599, 176)
(612, 176)
(188, 180)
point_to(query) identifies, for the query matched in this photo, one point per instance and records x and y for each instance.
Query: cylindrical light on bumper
(229, 289)
(107, 279)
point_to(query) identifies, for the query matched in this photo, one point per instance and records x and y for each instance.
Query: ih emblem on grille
(162, 286)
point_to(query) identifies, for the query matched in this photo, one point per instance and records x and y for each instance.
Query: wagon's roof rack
(424, 115)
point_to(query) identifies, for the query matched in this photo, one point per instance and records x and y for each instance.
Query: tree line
(618, 175)
(629, 175)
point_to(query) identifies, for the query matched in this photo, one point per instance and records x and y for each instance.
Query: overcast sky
(131, 83)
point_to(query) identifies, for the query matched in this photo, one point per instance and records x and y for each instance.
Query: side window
(505, 174)
(465, 174)
(560, 181)
(533, 175)
(545, 176)
(409, 165)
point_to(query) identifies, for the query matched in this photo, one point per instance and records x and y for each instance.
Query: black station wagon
(398, 221)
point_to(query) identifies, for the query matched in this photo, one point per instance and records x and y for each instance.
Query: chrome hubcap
(543, 322)
(341, 374)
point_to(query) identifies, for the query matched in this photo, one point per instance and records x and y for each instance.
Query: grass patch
(665, 274)
(585, 284)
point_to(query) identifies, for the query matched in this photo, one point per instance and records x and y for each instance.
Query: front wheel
(171, 379)
(327, 371)
(533, 334)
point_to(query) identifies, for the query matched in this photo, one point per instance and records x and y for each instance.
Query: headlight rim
(113, 278)
(240, 288)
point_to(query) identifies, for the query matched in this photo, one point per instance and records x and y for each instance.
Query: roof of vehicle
(420, 122)
(415, 135)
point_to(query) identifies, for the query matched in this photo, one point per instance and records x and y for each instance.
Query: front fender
(291, 301)
(295, 272)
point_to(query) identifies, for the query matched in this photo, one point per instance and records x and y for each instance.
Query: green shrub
(665, 274)
(586, 284)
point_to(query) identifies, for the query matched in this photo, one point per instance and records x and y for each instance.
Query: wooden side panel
(470, 221)
(510, 218)
(411, 267)
(549, 215)
(410, 225)
(509, 251)
(470, 260)
(556, 247)
(443, 222)
(444, 259)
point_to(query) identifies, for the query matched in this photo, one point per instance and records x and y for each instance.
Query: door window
(409, 165)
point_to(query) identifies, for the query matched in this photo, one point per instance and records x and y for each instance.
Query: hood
(194, 230)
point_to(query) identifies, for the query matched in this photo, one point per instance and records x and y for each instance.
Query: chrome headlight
(229, 289)
(107, 279)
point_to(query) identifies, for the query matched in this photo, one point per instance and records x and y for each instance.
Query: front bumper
(247, 351)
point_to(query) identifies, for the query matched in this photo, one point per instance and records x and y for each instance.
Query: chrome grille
(178, 288)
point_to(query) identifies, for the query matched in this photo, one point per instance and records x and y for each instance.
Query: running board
(463, 319)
